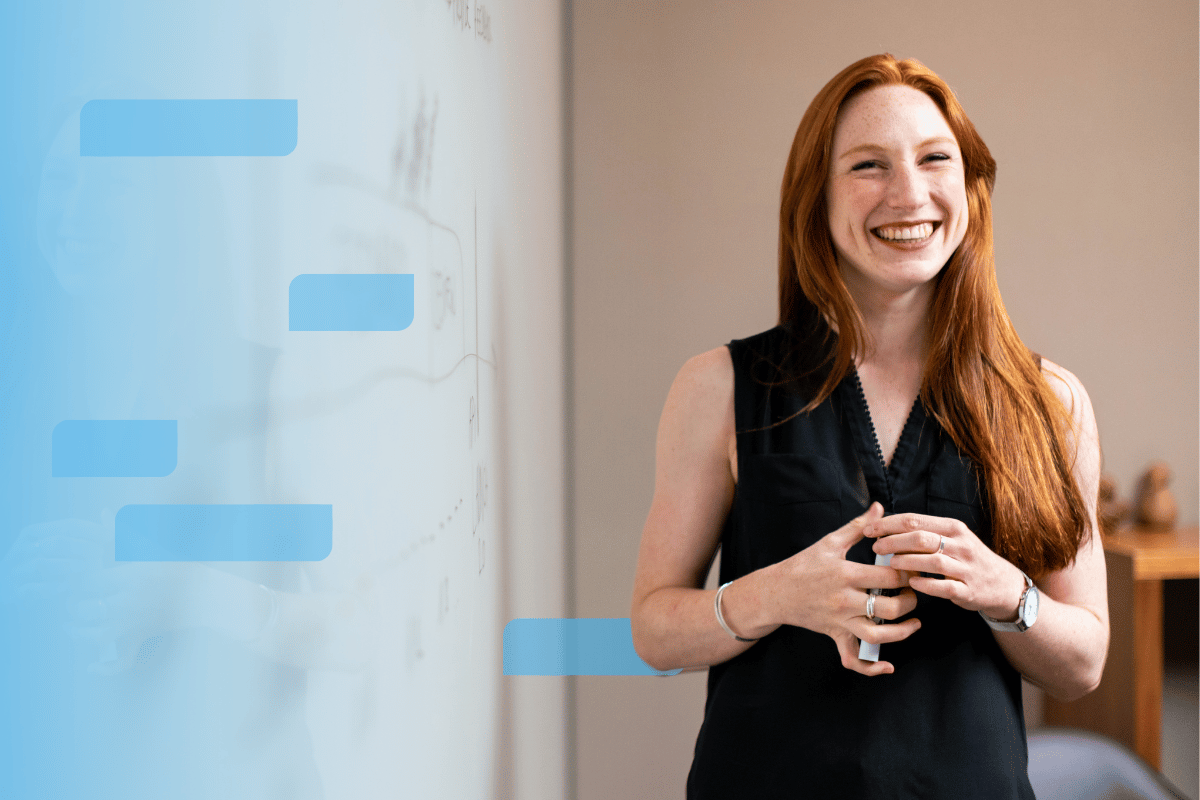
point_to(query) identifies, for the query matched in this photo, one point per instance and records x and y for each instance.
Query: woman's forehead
(888, 116)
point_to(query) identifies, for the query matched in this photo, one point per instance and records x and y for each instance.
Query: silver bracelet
(721, 617)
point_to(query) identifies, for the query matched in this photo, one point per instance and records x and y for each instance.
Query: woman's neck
(898, 325)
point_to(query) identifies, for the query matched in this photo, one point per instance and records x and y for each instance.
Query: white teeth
(905, 233)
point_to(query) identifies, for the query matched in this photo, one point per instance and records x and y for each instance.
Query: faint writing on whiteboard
(460, 12)
(473, 423)
(481, 492)
(369, 252)
(483, 23)
(443, 298)
(450, 516)
(412, 155)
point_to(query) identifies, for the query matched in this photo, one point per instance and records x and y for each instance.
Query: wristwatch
(1026, 611)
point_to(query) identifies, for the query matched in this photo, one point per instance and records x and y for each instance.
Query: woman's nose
(908, 188)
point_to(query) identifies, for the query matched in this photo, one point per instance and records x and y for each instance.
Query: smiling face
(896, 191)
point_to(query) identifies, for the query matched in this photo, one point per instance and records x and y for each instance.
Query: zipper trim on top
(862, 399)
(866, 409)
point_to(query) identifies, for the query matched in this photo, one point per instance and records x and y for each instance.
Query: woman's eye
(937, 157)
(864, 165)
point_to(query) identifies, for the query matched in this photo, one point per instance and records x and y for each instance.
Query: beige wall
(683, 116)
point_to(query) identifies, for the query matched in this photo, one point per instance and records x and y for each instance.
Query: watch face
(1031, 606)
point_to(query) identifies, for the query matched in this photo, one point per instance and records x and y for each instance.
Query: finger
(850, 533)
(920, 541)
(896, 606)
(868, 631)
(847, 647)
(955, 591)
(930, 563)
(869, 576)
(906, 523)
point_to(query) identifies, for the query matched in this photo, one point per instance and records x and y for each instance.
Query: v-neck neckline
(890, 471)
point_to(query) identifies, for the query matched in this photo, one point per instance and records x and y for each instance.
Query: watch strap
(1013, 627)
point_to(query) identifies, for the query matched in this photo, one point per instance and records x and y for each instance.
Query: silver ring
(871, 607)
(941, 546)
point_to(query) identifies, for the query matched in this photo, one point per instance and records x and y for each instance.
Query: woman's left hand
(976, 578)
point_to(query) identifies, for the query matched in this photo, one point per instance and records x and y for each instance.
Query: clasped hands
(828, 594)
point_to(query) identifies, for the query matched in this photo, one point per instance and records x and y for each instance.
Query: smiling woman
(893, 414)
(896, 197)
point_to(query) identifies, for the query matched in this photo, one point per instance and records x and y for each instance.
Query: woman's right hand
(819, 589)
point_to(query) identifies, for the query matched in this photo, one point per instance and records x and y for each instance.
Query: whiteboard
(157, 288)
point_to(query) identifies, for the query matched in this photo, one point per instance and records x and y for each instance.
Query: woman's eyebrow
(938, 140)
(870, 148)
(878, 148)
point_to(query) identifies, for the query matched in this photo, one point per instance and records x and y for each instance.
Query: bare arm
(673, 620)
(673, 624)
(1064, 651)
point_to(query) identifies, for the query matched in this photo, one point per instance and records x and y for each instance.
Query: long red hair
(981, 383)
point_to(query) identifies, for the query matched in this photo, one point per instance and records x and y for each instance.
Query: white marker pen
(866, 650)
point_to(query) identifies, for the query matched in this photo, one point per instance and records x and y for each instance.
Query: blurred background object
(1077, 765)
(1112, 509)
(1156, 506)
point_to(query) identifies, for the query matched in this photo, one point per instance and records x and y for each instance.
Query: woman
(893, 412)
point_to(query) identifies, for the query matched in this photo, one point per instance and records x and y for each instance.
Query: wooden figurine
(1156, 507)
(1111, 510)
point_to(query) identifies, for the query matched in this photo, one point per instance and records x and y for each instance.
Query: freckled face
(896, 192)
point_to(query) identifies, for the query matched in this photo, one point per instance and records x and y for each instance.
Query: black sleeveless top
(785, 719)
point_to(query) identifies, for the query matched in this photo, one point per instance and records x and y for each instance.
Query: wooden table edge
(1158, 555)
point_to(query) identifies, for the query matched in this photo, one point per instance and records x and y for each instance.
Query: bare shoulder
(709, 374)
(1071, 392)
(697, 421)
(1074, 398)
(703, 390)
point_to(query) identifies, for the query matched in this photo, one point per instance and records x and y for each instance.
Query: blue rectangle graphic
(224, 532)
(188, 127)
(573, 647)
(350, 302)
(114, 448)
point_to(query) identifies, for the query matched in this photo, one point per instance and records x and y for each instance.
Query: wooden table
(1127, 706)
